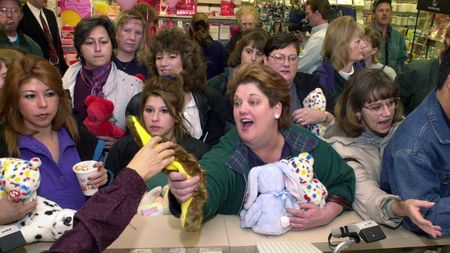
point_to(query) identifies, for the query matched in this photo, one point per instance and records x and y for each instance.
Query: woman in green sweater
(264, 134)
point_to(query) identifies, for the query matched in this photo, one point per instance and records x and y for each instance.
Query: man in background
(317, 12)
(10, 16)
(40, 24)
(393, 47)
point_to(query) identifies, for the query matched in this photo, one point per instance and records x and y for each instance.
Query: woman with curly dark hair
(173, 52)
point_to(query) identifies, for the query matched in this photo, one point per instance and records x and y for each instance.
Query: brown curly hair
(175, 40)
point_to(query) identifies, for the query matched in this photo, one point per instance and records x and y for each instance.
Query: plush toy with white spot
(19, 180)
(316, 100)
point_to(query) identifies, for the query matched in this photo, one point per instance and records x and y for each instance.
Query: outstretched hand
(412, 208)
(152, 158)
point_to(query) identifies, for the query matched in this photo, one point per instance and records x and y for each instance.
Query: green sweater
(396, 49)
(227, 169)
(416, 81)
(220, 81)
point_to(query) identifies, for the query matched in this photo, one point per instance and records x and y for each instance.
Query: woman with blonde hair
(7, 56)
(247, 18)
(131, 51)
(38, 123)
(151, 18)
(213, 51)
(342, 53)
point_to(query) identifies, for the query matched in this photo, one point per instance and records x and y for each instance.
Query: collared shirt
(310, 58)
(294, 140)
(254, 160)
(192, 116)
(319, 27)
(36, 12)
(393, 51)
(58, 181)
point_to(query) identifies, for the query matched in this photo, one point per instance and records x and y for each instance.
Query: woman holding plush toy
(161, 111)
(96, 74)
(264, 134)
(38, 123)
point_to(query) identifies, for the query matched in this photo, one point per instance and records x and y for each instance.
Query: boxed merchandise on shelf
(70, 53)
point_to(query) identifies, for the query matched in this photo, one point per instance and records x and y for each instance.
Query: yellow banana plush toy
(192, 209)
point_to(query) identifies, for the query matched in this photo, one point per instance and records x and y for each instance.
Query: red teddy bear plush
(99, 120)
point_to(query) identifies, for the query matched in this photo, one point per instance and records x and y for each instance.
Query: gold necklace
(123, 66)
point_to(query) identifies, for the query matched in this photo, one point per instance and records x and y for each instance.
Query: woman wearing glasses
(367, 114)
(281, 54)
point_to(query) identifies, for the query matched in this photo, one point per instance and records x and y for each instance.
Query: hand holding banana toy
(192, 209)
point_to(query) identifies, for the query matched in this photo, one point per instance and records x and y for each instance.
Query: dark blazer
(30, 26)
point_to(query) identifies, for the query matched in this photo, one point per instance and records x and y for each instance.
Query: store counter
(223, 234)
(244, 240)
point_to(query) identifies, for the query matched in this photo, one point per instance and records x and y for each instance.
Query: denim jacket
(416, 162)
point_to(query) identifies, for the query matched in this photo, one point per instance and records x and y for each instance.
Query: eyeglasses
(280, 58)
(13, 11)
(377, 108)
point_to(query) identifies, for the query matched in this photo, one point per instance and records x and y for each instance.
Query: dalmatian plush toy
(19, 180)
